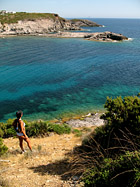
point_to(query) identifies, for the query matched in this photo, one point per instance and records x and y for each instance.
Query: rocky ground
(48, 164)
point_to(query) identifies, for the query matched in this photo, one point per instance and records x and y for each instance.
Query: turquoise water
(48, 78)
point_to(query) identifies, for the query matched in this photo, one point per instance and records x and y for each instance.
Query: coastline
(106, 36)
(86, 119)
(64, 40)
(89, 120)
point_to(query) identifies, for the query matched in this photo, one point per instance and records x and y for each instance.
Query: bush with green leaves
(123, 113)
(3, 148)
(35, 129)
(77, 132)
(122, 127)
(43, 128)
(6, 129)
(60, 129)
(123, 171)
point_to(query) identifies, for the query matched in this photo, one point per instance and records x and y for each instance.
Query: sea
(55, 78)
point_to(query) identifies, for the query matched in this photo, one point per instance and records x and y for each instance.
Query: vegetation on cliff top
(14, 18)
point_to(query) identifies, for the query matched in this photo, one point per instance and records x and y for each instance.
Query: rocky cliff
(23, 25)
(40, 26)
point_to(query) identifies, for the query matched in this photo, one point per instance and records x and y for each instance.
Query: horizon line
(77, 16)
(103, 17)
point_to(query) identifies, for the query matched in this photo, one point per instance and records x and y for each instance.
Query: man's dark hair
(19, 114)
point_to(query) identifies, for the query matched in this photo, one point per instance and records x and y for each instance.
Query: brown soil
(45, 166)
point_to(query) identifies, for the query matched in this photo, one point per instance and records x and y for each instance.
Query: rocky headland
(37, 26)
(51, 25)
(37, 23)
(84, 23)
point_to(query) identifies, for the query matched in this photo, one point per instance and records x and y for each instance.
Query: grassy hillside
(14, 18)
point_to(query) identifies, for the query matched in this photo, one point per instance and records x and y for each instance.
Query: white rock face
(40, 26)
(1, 27)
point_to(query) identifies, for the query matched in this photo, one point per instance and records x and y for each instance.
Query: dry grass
(89, 156)
(55, 159)
(46, 165)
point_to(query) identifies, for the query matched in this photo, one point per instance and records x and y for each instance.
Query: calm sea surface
(49, 78)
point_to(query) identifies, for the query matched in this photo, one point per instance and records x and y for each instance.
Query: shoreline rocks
(106, 36)
(98, 36)
(92, 120)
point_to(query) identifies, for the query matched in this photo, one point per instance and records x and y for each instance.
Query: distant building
(3, 12)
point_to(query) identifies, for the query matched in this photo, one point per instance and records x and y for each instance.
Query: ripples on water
(47, 78)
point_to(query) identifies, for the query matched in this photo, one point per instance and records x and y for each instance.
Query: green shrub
(6, 129)
(59, 129)
(124, 171)
(3, 148)
(124, 112)
(2, 129)
(41, 128)
(10, 132)
(36, 128)
(77, 132)
(1, 133)
(122, 127)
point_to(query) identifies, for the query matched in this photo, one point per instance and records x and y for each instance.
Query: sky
(77, 8)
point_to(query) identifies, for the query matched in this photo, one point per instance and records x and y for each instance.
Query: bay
(51, 78)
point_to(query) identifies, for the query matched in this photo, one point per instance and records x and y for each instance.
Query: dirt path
(43, 167)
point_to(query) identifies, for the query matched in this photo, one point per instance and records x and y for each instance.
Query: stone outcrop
(98, 36)
(84, 23)
(105, 36)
